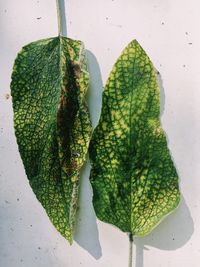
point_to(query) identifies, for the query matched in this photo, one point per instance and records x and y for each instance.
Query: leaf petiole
(130, 260)
(59, 17)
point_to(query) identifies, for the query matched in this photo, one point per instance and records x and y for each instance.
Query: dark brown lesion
(69, 106)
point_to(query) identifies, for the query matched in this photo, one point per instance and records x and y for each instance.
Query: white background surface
(169, 32)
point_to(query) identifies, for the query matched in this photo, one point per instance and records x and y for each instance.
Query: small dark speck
(173, 238)
(158, 73)
(39, 17)
(7, 202)
(5, 10)
(190, 43)
(7, 96)
(184, 65)
(11, 229)
(106, 18)
(163, 23)
(39, 248)
(21, 260)
(186, 33)
(31, 225)
(17, 199)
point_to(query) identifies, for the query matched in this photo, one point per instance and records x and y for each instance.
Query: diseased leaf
(52, 124)
(134, 180)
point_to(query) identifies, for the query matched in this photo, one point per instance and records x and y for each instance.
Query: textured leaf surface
(134, 180)
(52, 125)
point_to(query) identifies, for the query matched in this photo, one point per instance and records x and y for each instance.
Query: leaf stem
(130, 260)
(59, 16)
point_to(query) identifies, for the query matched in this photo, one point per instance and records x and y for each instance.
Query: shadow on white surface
(162, 93)
(94, 96)
(86, 233)
(173, 233)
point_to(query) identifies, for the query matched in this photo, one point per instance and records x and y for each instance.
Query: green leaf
(134, 180)
(52, 124)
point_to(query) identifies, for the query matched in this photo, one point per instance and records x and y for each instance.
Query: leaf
(52, 124)
(134, 180)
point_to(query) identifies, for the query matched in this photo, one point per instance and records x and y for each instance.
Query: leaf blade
(134, 180)
(52, 124)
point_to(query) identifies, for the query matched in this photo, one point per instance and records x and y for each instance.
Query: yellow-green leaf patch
(134, 180)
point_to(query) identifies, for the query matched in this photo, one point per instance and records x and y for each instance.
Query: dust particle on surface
(7, 96)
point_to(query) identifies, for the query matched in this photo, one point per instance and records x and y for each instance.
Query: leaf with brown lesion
(52, 123)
